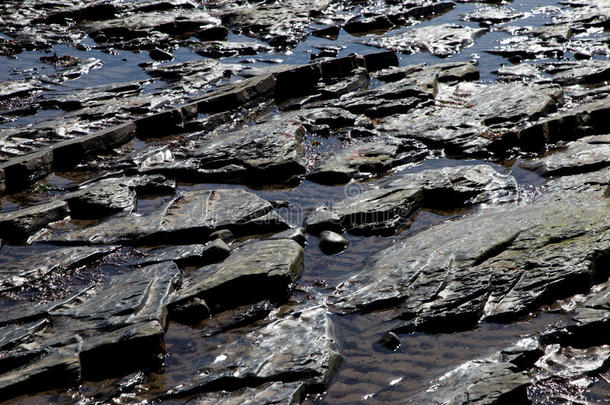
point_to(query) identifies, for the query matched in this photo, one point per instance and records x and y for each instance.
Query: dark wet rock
(108, 196)
(187, 255)
(26, 272)
(189, 218)
(267, 394)
(332, 242)
(332, 117)
(239, 94)
(488, 380)
(587, 154)
(390, 341)
(394, 98)
(18, 88)
(273, 266)
(462, 119)
(587, 119)
(366, 159)
(100, 332)
(522, 71)
(296, 234)
(217, 49)
(493, 15)
(151, 185)
(300, 347)
(223, 234)
(439, 40)
(25, 170)
(380, 60)
(281, 25)
(447, 72)
(328, 33)
(262, 153)
(496, 266)
(22, 223)
(583, 72)
(160, 54)
(362, 24)
(385, 209)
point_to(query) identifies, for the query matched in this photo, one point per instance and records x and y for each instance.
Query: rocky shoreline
(227, 227)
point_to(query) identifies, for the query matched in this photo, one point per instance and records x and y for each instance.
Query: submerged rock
(331, 242)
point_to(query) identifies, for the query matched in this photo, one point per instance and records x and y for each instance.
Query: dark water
(368, 373)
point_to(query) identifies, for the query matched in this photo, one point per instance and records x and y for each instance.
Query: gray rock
(190, 218)
(296, 234)
(264, 153)
(188, 255)
(488, 380)
(447, 72)
(217, 49)
(108, 196)
(259, 270)
(439, 40)
(587, 154)
(102, 331)
(455, 274)
(365, 159)
(53, 264)
(300, 346)
(383, 210)
(582, 72)
(151, 185)
(290, 393)
(492, 15)
(332, 242)
(24, 222)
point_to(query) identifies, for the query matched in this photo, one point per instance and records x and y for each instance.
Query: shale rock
(258, 270)
(383, 210)
(24, 222)
(103, 198)
(495, 266)
(332, 242)
(298, 347)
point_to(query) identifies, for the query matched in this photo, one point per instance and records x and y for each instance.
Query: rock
(488, 380)
(22, 223)
(447, 72)
(439, 40)
(587, 154)
(100, 199)
(273, 266)
(223, 234)
(100, 332)
(390, 341)
(299, 347)
(394, 98)
(492, 15)
(264, 153)
(582, 72)
(361, 24)
(159, 54)
(475, 267)
(151, 185)
(296, 234)
(189, 218)
(380, 60)
(237, 94)
(331, 242)
(270, 393)
(385, 209)
(217, 49)
(328, 33)
(518, 72)
(364, 160)
(187, 255)
(18, 88)
(587, 119)
(29, 271)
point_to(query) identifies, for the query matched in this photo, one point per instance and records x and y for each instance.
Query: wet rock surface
(304, 201)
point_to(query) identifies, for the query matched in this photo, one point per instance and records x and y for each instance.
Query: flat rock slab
(108, 196)
(439, 40)
(383, 210)
(188, 218)
(28, 271)
(587, 154)
(263, 153)
(366, 159)
(102, 331)
(298, 347)
(24, 222)
(187, 255)
(253, 272)
(495, 266)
